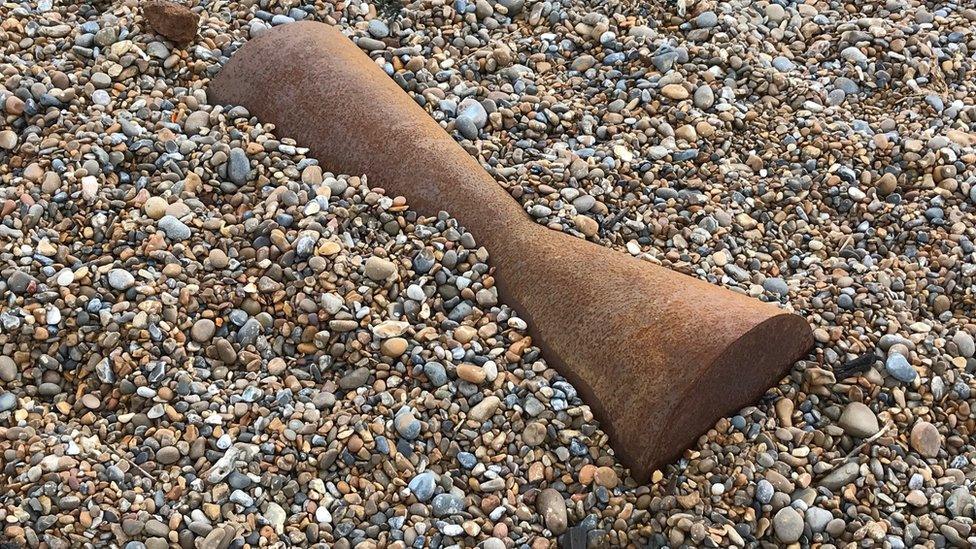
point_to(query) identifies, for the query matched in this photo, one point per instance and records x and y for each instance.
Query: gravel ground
(207, 340)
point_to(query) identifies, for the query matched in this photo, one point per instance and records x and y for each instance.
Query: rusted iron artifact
(659, 356)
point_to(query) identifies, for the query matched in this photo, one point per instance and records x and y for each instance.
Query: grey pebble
(447, 503)
(422, 485)
(120, 279)
(898, 367)
(174, 228)
(238, 166)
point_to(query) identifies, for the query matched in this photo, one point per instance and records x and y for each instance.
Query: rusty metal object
(659, 356)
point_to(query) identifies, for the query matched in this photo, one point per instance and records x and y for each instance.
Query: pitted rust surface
(659, 356)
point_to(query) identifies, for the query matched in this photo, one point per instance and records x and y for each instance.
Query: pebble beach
(209, 340)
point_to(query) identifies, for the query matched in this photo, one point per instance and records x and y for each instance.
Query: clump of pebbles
(208, 340)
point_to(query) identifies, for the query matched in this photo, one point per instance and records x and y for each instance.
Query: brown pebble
(471, 373)
(393, 347)
(925, 439)
(606, 477)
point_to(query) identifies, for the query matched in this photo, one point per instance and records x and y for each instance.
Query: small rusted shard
(659, 356)
(172, 20)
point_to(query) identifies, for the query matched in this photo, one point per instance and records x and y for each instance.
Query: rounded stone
(379, 269)
(858, 420)
(964, 343)
(552, 508)
(8, 369)
(422, 485)
(393, 347)
(676, 92)
(925, 439)
(788, 525)
(155, 207)
(168, 455)
(606, 477)
(120, 279)
(203, 330)
(534, 434)
(8, 139)
(898, 367)
(471, 373)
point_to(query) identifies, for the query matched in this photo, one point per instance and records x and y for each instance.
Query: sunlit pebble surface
(206, 340)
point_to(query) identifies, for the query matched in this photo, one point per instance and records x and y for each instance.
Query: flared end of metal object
(739, 376)
(658, 355)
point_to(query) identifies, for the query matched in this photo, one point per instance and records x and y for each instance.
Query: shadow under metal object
(659, 356)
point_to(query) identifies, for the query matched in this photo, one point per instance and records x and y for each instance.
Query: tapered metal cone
(659, 356)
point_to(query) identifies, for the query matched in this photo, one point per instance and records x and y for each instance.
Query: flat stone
(841, 476)
(858, 420)
(354, 379)
(379, 269)
(203, 330)
(925, 439)
(484, 409)
(120, 279)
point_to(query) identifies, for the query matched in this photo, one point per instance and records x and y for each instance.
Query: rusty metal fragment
(659, 356)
